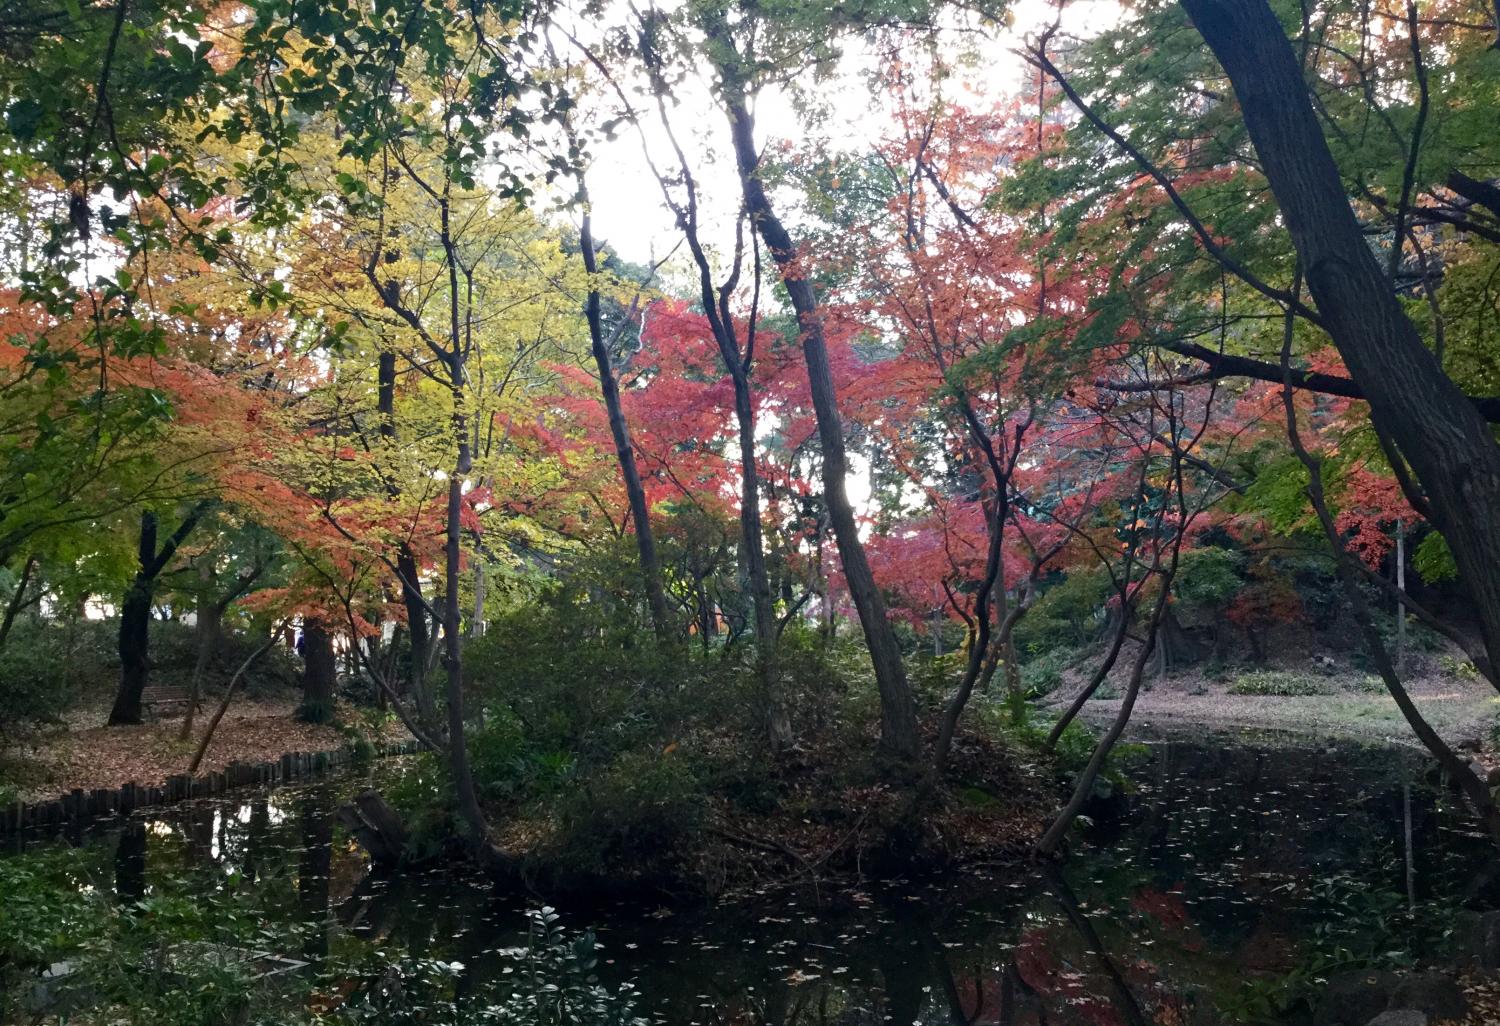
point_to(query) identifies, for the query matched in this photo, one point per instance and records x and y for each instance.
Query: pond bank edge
(79, 808)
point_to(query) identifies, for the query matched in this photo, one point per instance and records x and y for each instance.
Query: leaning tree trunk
(898, 718)
(319, 673)
(635, 492)
(1437, 430)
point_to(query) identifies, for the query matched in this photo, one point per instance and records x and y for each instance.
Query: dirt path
(1458, 711)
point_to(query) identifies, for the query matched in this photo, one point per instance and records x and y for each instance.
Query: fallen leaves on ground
(109, 757)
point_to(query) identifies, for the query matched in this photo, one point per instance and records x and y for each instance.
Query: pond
(1229, 871)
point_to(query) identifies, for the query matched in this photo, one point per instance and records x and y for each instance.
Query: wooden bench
(174, 698)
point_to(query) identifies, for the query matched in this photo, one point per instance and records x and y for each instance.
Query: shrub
(642, 807)
(1458, 669)
(1276, 683)
(509, 766)
(1067, 615)
(34, 687)
(1043, 674)
(567, 674)
(824, 675)
(1208, 578)
(420, 789)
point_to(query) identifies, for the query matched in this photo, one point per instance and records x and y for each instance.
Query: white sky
(631, 219)
(628, 212)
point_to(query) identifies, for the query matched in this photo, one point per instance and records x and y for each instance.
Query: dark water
(1228, 867)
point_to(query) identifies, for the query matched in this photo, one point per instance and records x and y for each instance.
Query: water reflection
(1210, 871)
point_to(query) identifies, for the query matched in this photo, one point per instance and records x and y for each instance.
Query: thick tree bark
(319, 673)
(134, 648)
(898, 718)
(1441, 435)
(635, 492)
(135, 613)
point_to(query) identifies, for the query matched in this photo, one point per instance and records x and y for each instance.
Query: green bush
(1208, 578)
(566, 673)
(829, 678)
(644, 805)
(420, 788)
(1068, 614)
(509, 766)
(1458, 669)
(1043, 674)
(34, 687)
(1276, 683)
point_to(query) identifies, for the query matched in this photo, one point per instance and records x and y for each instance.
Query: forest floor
(1347, 706)
(82, 753)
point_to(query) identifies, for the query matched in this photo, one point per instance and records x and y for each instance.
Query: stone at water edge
(1354, 998)
(1439, 996)
(1400, 1017)
(1483, 946)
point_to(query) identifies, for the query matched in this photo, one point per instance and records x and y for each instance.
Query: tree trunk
(1475, 788)
(476, 626)
(1084, 786)
(234, 681)
(135, 613)
(1401, 587)
(640, 511)
(406, 561)
(135, 631)
(210, 620)
(17, 600)
(458, 754)
(898, 718)
(773, 710)
(1440, 434)
(319, 673)
(1101, 673)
